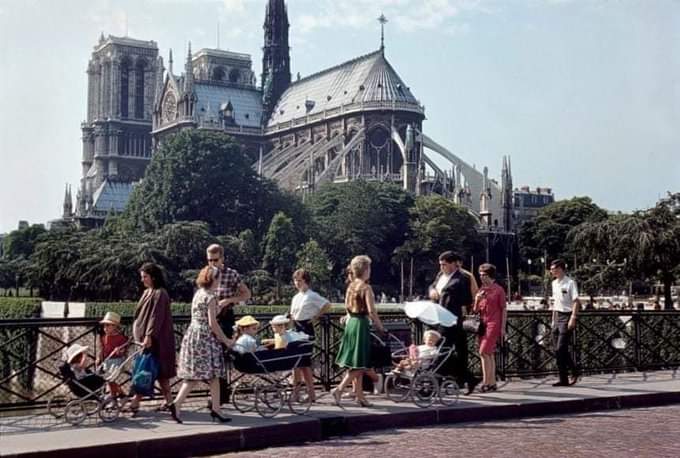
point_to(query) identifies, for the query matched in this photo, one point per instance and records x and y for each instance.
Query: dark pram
(264, 384)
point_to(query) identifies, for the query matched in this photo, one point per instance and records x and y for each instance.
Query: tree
(436, 225)
(315, 260)
(546, 234)
(361, 218)
(279, 249)
(199, 175)
(20, 243)
(643, 243)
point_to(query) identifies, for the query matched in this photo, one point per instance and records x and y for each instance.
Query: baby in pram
(420, 355)
(80, 379)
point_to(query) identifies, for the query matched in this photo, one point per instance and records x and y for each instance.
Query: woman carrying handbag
(490, 303)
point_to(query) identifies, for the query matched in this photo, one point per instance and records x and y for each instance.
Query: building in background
(527, 202)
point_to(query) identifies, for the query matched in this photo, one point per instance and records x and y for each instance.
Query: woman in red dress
(491, 305)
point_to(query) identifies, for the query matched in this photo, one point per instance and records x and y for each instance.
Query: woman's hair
(488, 269)
(302, 274)
(206, 277)
(357, 267)
(155, 272)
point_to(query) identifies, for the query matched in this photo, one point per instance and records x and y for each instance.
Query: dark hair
(155, 272)
(302, 274)
(558, 263)
(488, 269)
(449, 256)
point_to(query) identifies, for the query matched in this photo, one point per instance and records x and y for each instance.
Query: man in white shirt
(565, 309)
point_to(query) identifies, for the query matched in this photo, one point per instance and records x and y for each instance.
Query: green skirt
(355, 346)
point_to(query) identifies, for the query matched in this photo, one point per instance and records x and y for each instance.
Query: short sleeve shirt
(229, 280)
(564, 293)
(306, 305)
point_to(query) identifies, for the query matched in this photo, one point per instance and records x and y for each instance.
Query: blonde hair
(432, 332)
(358, 267)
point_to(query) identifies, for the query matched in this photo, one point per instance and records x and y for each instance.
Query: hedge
(19, 307)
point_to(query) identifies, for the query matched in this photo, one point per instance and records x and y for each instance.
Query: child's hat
(280, 319)
(73, 351)
(247, 320)
(111, 318)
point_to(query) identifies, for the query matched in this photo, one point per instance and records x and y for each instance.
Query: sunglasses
(213, 259)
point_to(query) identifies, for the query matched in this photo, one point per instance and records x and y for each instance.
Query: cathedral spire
(276, 54)
(189, 73)
(68, 203)
(382, 20)
(170, 62)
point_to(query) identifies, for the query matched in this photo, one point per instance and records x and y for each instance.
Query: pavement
(154, 434)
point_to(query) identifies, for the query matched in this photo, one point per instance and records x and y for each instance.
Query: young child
(420, 354)
(76, 363)
(246, 330)
(282, 335)
(113, 346)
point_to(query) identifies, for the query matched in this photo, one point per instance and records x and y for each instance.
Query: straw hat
(247, 320)
(280, 319)
(74, 350)
(111, 318)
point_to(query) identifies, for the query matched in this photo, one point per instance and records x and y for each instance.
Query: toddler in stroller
(420, 355)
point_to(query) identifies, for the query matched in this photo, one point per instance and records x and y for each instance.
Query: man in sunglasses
(566, 307)
(230, 291)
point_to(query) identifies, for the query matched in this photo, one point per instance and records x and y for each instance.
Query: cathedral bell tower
(276, 55)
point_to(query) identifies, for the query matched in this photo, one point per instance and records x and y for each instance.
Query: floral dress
(201, 356)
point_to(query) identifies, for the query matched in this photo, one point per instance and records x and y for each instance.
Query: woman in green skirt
(355, 347)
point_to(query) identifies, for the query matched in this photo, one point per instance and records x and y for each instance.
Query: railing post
(638, 353)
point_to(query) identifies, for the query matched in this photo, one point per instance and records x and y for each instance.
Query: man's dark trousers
(226, 320)
(457, 364)
(561, 337)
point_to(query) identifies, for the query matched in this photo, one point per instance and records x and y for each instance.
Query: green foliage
(643, 244)
(361, 218)
(20, 243)
(436, 225)
(314, 260)
(203, 175)
(546, 234)
(19, 307)
(279, 249)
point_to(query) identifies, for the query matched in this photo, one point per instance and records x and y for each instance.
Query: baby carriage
(265, 385)
(423, 383)
(88, 395)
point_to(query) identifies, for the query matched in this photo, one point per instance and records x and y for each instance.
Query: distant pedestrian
(566, 307)
(491, 304)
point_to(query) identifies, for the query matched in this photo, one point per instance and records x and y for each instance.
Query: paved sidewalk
(155, 434)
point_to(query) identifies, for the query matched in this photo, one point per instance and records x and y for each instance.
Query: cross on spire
(382, 20)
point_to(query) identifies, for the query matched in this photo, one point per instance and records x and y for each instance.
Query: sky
(584, 95)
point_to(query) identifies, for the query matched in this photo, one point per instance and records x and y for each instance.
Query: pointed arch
(140, 82)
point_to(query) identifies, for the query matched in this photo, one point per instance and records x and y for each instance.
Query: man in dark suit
(451, 289)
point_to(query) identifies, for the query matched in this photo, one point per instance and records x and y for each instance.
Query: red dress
(491, 309)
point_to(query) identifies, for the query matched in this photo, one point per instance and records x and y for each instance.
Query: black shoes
(561, 383)
(173, 413)
(214, 416)
(471, 385)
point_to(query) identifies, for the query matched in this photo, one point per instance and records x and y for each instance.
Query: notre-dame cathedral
(356, 120)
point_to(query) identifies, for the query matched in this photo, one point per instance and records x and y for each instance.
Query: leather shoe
(561, 383)
(471, 385)
(574, 378)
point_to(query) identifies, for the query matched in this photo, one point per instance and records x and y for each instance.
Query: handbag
(144, 374)
(474, 324)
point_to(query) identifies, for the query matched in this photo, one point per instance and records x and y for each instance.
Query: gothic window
(124, 88)
(234, 76)
(218, 74)
(139, 89)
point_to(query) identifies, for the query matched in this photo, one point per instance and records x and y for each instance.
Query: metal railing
(604, 341)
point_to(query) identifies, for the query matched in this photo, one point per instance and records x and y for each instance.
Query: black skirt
(306, 326)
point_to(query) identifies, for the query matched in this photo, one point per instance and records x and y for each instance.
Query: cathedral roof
(111, 195)
(368, 78)
(247, 103)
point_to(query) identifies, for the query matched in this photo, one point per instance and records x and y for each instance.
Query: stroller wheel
(56, 405)
(449, 392)
(397, 388)
(299, 400)
(243, 397)
(268, 400)
(75, 412)
(424, 388)
(109, 410)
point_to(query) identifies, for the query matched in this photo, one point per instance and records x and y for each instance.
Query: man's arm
(242, 294)
(575, 306)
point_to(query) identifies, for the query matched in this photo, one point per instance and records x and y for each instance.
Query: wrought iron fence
(31, 349)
